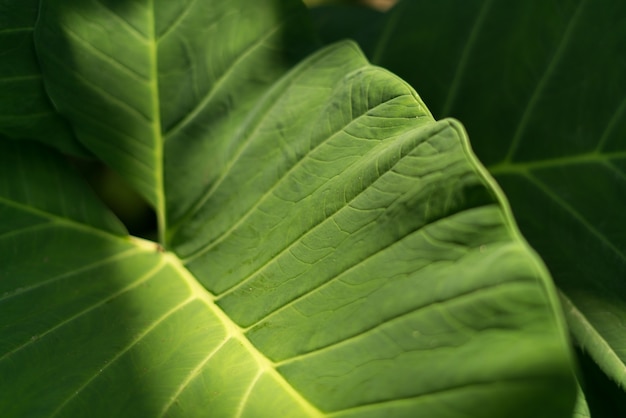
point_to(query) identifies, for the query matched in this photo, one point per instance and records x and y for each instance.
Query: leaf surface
(26, 112)
(540, 87)
(451, 311)
(331, 249)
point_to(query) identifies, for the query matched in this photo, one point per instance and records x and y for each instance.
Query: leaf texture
(132, 75)
(363, 314)
(26, 112)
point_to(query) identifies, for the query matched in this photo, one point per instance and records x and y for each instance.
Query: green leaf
(540, 86)
(132, 76)
(25, 110)
(331, 250)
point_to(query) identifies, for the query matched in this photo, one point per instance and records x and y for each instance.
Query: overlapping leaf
(331, 249)
(541, 87)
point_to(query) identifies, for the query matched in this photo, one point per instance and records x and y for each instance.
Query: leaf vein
(123, 351)
(106, 57)
(420, 230)
(330, 217)
(223, 78)
(256, 120)
(247, 393)
(56, 218)
(103, 93)
(541, 85)
(192, 375)
(461, 67)
(270, 191)
(132, 29)
(397, 317)
(27, 229)
(61, 324)
(576, 215)
(617, 116)
(368, 407)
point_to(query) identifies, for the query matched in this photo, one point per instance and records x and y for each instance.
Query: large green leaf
(331, 249)
(541, 88)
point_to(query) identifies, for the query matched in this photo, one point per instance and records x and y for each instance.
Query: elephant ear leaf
(541, 89)
(329, 248)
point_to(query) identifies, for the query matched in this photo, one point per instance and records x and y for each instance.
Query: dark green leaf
(25, 110)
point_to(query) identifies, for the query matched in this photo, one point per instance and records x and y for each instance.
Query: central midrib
(521, 167)
(236, 332)
(156, 126)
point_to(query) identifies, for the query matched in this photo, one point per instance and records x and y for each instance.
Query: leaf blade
(278, 259)
(542, 95)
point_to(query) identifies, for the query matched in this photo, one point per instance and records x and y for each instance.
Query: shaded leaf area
(540, 87)
(605, 399)
(127, 205)
(26, 112)
(399, 288)
(132, 75)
